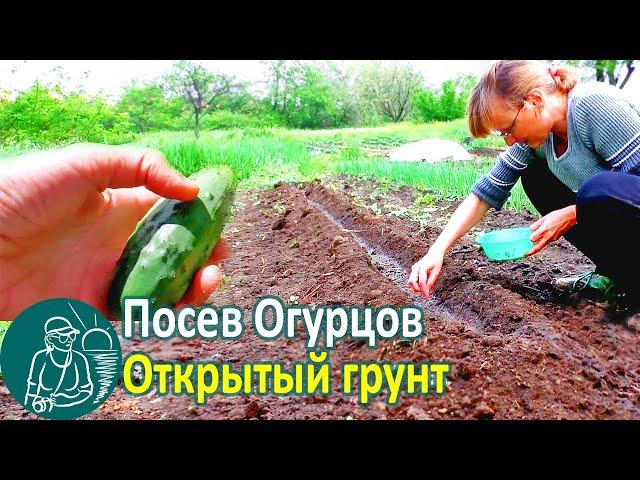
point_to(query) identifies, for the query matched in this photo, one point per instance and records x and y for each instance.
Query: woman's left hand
(551, 227)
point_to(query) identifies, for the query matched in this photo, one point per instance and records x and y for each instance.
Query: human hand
(426, 272)
(551, 227)
(66, 215)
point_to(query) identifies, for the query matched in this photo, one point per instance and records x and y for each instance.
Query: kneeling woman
(576, 148)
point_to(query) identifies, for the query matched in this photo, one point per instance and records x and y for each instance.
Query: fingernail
(194, 186)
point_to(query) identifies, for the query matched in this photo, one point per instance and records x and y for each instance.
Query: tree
(447, 103)
(202, 89)
(610, 66)
(149, 109)
(239, 100)
(388, 88)
(283, 76)
(341, 81)
(609, 70)
(308, 94)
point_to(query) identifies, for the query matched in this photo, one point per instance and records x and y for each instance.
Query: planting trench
(518, 349)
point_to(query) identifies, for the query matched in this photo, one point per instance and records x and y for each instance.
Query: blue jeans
(608, 214)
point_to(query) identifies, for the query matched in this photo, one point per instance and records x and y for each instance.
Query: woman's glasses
(508, 132)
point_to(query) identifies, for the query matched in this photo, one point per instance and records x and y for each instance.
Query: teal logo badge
(61, 358)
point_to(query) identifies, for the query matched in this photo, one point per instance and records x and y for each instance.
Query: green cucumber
(171, 242)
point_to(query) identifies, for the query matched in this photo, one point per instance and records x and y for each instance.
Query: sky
(109, 77)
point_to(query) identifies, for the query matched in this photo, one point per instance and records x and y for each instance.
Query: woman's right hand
(426, 272)
(66, 216)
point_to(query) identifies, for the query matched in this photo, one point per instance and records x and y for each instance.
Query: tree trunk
(630, 69)
(611, 72)
(197, 129)
(276, 95)
(599, 72)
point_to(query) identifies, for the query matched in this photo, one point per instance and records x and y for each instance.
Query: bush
(42, 117)
(224, 120)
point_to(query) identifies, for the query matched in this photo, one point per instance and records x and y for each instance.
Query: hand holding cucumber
(66, 216)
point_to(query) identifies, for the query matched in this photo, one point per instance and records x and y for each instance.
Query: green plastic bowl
(508, 244)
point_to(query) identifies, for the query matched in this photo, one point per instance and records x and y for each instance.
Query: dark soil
(518, 347)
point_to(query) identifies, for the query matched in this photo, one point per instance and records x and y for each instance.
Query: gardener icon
(59, 376)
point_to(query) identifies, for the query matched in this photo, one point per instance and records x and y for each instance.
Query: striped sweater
(603, 130)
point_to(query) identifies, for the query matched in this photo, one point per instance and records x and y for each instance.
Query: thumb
(123, 167)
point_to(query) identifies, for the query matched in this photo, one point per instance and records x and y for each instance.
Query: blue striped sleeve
(495, 187)
(610, 126)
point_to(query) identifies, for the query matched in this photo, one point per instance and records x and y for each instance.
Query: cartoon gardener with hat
(59, 376)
